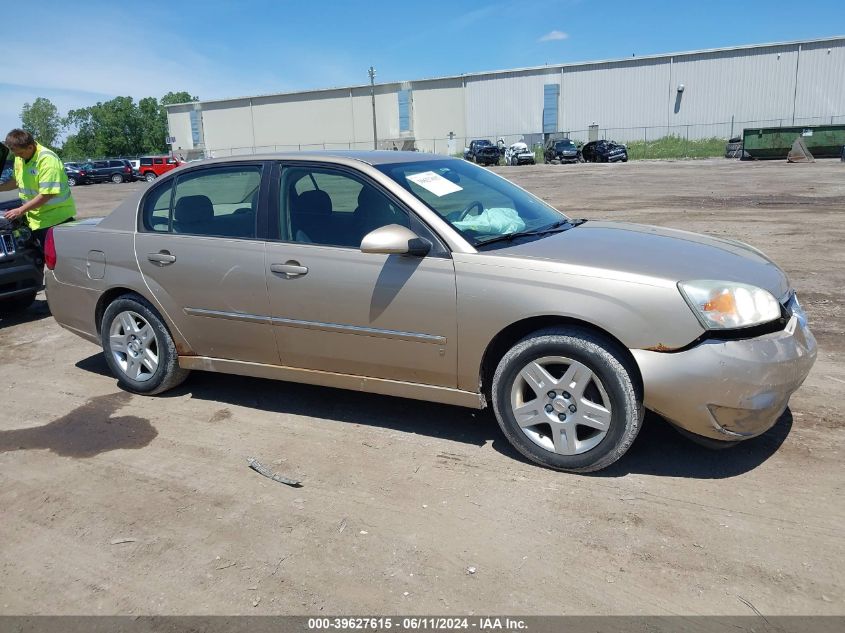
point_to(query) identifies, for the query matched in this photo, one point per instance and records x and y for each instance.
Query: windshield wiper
(555, 227)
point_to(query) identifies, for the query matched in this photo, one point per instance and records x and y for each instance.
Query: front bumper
(728, 390)
(487, 159)
(20, 274)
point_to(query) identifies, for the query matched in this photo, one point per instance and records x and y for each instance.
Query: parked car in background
(116, 170)
(519, 154)
(604, 152)
(561, 150)
(77, 175)
(483, 152)
(151, 167)
(424, 277)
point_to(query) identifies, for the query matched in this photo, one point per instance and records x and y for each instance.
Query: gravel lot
(113, 503)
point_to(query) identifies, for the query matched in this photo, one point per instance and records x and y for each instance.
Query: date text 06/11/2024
(417, 623)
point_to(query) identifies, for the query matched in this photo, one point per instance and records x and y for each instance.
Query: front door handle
(162, 258)
(289, 269)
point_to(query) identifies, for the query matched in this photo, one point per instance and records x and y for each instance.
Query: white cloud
(554, 36)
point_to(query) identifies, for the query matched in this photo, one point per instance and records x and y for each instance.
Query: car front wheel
(71, 181)
(139, 350)
(566, 398)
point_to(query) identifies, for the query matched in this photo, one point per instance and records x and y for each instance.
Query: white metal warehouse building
(700, 94)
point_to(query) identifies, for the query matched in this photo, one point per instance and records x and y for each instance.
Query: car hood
(667, 254)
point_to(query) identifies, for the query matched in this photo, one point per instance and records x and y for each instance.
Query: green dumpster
(823, 141)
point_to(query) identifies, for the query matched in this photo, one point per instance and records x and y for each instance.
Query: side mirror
(394, 239)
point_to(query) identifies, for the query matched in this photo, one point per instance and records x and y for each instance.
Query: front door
(203, 262)
(337, 309)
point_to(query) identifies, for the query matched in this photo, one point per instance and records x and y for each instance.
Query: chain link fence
(695, 140)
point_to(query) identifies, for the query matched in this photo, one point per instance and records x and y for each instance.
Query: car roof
(370, 157)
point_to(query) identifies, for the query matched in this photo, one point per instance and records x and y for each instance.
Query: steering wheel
(470, 207)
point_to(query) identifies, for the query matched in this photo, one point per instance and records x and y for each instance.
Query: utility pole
(372, 72)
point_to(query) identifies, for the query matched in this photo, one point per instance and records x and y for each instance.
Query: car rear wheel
(71, 181)
(139, 350)
(149, 176)
(117, 179)
(566, 398)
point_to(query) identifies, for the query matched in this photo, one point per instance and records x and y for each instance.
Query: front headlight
(729, 304)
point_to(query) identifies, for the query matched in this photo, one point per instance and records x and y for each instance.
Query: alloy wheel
(133, 345)
(561, 405)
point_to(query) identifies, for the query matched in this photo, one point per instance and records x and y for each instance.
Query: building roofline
(488, 73)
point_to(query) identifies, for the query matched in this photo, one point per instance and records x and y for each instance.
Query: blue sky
(216, 48)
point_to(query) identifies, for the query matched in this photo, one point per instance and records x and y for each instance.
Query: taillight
(127, 170)
(81, 173)
(50, 250)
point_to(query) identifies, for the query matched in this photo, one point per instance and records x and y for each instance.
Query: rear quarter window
(156, 212)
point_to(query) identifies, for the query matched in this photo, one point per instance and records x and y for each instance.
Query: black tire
(17, 304)
(117, 178)
(167, 374)
(71, 181)
(607, 362)
(149, 176)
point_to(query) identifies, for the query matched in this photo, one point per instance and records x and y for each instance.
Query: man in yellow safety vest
(40, 176)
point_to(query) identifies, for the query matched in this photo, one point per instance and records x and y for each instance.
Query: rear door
(100, 171)
(201, 252)
(339, 310)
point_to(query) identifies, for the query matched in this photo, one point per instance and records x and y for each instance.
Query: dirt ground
(114, 503)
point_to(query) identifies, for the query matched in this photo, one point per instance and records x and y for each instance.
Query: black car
(562, 150)
(77, 175)
(483, 152)
(116, 170)
(604, 152)
(21, 266)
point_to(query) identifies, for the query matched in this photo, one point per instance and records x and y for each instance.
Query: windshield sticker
(435, 183)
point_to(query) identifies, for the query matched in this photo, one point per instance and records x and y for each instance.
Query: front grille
(7, 244)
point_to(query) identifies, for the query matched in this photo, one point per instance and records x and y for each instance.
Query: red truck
(151, 167)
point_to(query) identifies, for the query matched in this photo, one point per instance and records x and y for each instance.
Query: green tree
(41, 118)
(153, 126)
(120, 127)
(177, 97)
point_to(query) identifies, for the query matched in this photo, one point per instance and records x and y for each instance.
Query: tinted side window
(146, 161)
(221, 201)
(332, 208)
(156, 214)
(158, 161)
(101, 164)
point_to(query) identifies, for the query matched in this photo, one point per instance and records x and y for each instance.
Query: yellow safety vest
(45, 173)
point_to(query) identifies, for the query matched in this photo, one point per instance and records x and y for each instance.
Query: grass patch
(676, 147)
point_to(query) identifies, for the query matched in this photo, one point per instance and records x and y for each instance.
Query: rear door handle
(289, 269)
(162, 258)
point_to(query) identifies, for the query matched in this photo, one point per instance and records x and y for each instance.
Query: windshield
(565, 145)
(476, 202)
(482, 143)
